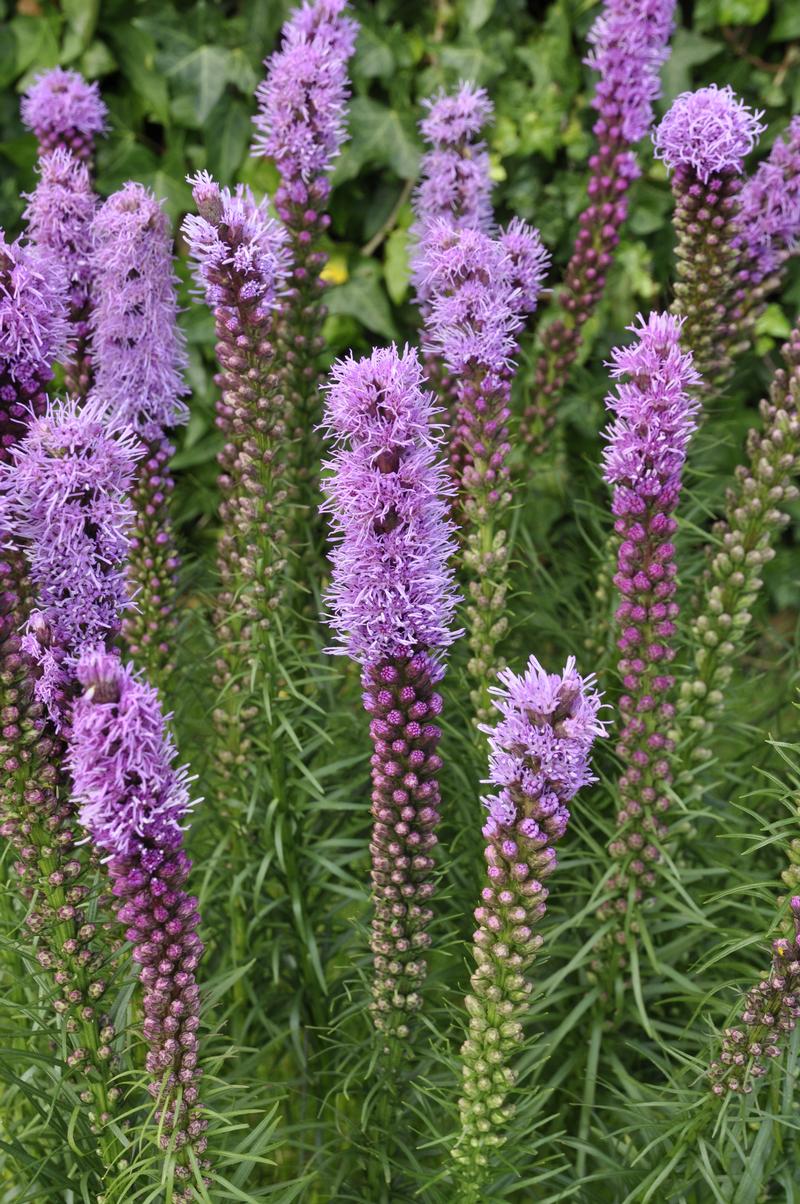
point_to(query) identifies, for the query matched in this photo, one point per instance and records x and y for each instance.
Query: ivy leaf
(228, 132)
(379, 135)
(201, 77)
(363, 298)
(136, 50)
(81, 18)
(396, 269)
(478, 12)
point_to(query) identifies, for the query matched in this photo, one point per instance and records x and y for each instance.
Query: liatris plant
(538, 761)
(479, 290)
(63, 110)
(391, 603)
(33, 334)
(630, 42)
(240, 263)
(744, 541)
(654, 417)
(704, 139)
(139, 363)
(59, 215)
(301, 126)
(62, 504)
(133, 802)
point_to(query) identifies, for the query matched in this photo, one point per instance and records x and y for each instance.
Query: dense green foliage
(612, 1105)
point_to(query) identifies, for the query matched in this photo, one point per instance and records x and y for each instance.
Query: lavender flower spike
(62, 109)
(134, 803)
(629, 43)
(301, 126)
(33, 334)
(704, 139)
(538, 761)
(391, 603)
(654, 418)
(59, 216)
(140, 358)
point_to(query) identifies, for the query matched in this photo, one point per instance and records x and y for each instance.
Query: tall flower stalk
(240, 264)
(391, 604)
(654, 417)
(538, 761)
(133, 802)
(301, 126)
(139, 361)
(63, 110)
(59, 215)
(629, 43)
(704, 139)
(480, 288)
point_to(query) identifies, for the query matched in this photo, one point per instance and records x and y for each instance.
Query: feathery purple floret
(301, 118)
(253, 249)
(629, 43)
(121, 760)
(33, 322)
(458, 117)
(64, 501)
(59, 216)
(540, 748)
(710, 131)
(62, 109)
(392, 592)
(655, 413)
(138, 349)
(769, 207)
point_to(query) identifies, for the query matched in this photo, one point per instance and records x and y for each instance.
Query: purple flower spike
(60, 214)
(391, 603)
(62, 109)
(65, 505)
(529, 261)
(538, 760)
(655, 414)
(139, 351)
(769, 210)
(710, 131)
(34, 329)
(629, 43)
(133, 802)
(392, 591)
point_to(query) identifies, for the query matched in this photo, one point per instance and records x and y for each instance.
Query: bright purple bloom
(528, 264)
(655, 415)
(139, 351)
(62, 109)
(301, 118)
(769, 208)
(392, 592)
(629, 43)
(710, 131)
(33, 333)
(59, 216)
(234, 243)
(65, 504)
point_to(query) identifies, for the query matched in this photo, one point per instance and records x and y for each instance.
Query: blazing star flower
(710, 131)
(392, 591)
(59, 216)
(629, 43)
(539, 760)
(62, 109)
(138, 349)
(769, 209)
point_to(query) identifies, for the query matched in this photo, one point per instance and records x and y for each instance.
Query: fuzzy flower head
(301, 118)
(65, 493)
(476, 306)
(60, 214)
(654, 411)
(630, 42)
(392, 592)
(62, 109)
(527, 261)
(239, 252)
(456, 118)
(709, 131)
(138, 350)
(539, 750)
(130, 795)
(34, 324)
(769, 206)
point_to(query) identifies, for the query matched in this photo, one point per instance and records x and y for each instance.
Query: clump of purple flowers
(630, 42)
(538, 761)
(63, 110)
(133, 801)
(391, 603)
(654, 418)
